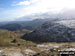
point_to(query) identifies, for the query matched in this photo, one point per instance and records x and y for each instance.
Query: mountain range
(45, 27)
(19, 25)
(33, 21)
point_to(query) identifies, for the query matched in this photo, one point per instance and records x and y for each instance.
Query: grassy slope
(6, 38)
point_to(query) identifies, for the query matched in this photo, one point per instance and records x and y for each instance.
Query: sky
(12, 9)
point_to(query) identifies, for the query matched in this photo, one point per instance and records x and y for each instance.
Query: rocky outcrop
(16, 52)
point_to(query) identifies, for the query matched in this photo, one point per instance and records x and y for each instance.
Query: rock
(14, 54)
(29, 52)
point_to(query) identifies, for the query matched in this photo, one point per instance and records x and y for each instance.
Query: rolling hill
(12, 38)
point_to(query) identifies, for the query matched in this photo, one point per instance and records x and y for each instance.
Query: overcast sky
(11, 9)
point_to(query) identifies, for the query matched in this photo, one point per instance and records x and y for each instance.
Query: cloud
(51, 5)
(24, 3)
(28, 2)
(42, 6)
